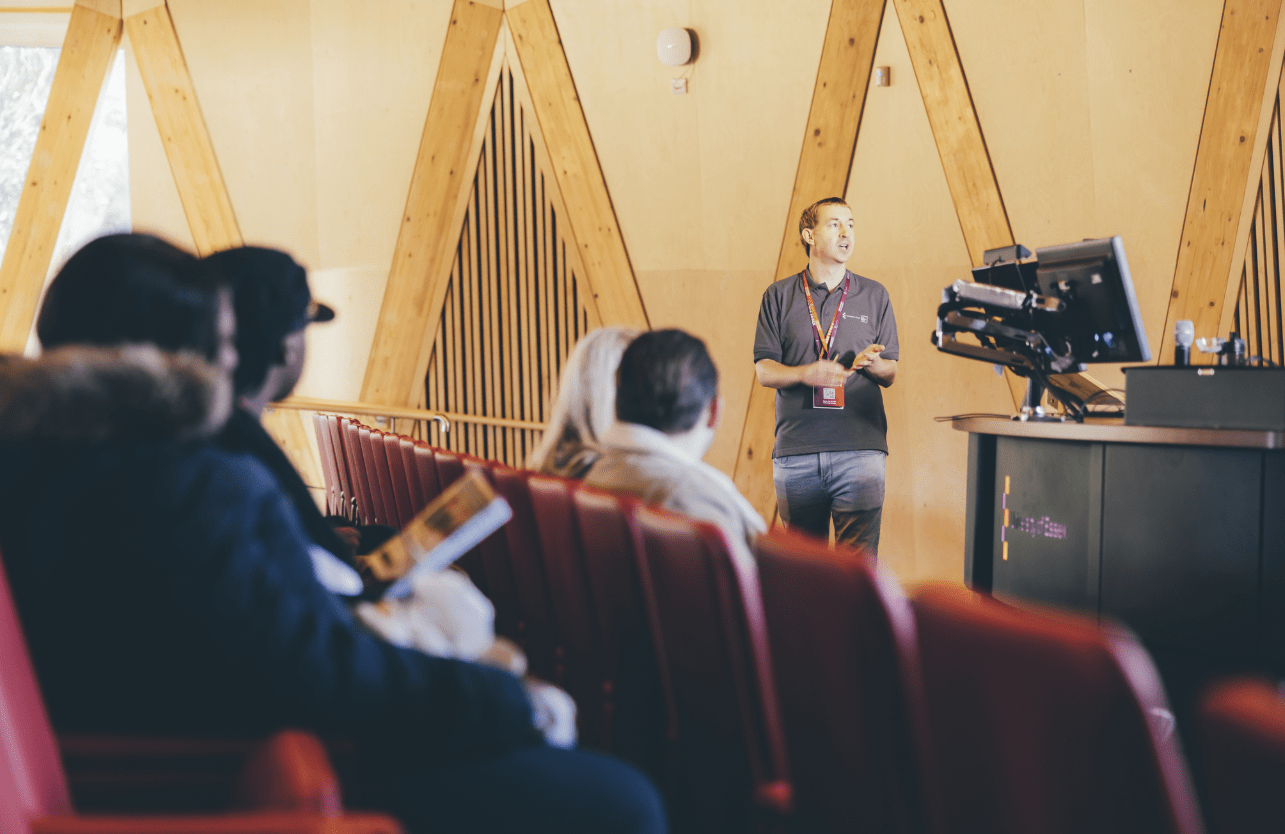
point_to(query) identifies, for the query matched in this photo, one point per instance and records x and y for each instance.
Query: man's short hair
(808, 220)
(666, 379)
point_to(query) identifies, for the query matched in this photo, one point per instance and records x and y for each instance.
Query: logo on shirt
(862, 319)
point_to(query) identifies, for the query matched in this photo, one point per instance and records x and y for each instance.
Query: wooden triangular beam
(197, 176)
(477, 46)
(956, 129)
(435, 206)
(1229, 160)
(575, 166)
(957, 133)
(93, 36)
(825, 164)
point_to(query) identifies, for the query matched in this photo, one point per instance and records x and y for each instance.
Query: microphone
(1184, 333)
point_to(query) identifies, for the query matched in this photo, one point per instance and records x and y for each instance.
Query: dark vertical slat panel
(548, 327)
(1256, 248)
(514, 307)
(507, 287)
(468, 344)
(526, 310)
(1277, 181)
(485, 344)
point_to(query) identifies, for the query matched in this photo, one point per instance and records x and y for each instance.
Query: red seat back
(540, 635)
(410, 466)
(361, 490)
(637, 711)
(449, 466)
(398, 479)
(327, 455)
(383, 510)
(847, 674)
(342, 471)
(489, 564)
(426, 469)
(585, 675)
(731, 753)
(1044, 722)
(1242, 733)
(31, 779)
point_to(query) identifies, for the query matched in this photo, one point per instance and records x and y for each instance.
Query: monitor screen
(1101, 321)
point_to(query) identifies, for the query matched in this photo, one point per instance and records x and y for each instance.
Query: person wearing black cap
(273, 308)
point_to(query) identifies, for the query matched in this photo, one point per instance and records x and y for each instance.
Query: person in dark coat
(165, 586)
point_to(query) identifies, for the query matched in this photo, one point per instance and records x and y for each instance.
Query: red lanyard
(824, 340)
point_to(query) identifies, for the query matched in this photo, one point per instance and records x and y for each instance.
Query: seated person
(165, 584)
(667, 408)
(273, 306)
(585, 407)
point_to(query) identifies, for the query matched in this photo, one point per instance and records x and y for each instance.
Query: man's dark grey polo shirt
(785, 334)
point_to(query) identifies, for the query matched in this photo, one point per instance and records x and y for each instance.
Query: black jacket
(164, 583)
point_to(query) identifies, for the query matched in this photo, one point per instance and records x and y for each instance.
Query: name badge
(827, 396)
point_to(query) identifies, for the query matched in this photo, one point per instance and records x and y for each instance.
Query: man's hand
(871, 362)
(825, 372)
(773, 374)
(870, 354)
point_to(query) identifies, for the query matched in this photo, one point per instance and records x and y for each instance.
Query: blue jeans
(810, 489)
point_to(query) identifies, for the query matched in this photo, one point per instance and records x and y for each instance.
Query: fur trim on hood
(92, 394)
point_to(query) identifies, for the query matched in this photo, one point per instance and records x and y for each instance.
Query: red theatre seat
(730, 769)
(288, 782)
(362, 494)
(582, 668)
(638, 718)
(1046, 722)
(530, 578)
(1242, 730)
(847, 675)
(399, 480)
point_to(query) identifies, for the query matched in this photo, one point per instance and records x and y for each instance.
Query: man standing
(827, 342)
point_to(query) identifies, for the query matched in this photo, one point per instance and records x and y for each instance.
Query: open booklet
(466, 512)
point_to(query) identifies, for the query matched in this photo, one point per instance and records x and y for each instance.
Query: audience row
(170, 581)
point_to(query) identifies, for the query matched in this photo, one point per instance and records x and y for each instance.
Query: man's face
(831, 239)
(292, 365)
(226, 330)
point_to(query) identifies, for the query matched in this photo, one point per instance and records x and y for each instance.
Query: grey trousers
(846, 486)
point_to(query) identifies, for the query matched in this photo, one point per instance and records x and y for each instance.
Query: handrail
(402, 413)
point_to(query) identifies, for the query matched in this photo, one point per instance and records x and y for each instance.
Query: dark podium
(1178, 533)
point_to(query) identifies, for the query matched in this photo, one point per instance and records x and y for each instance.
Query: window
(99, 201)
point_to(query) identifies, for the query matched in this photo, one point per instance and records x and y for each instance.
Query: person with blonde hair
(586, 404)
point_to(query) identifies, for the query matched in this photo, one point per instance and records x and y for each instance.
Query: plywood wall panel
(183, 130)
(1031, 95)
(251, 67)
(1148, 84)
(374, 65)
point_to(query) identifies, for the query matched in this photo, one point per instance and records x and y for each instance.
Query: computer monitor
(1071, 307)
(1101, 321)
